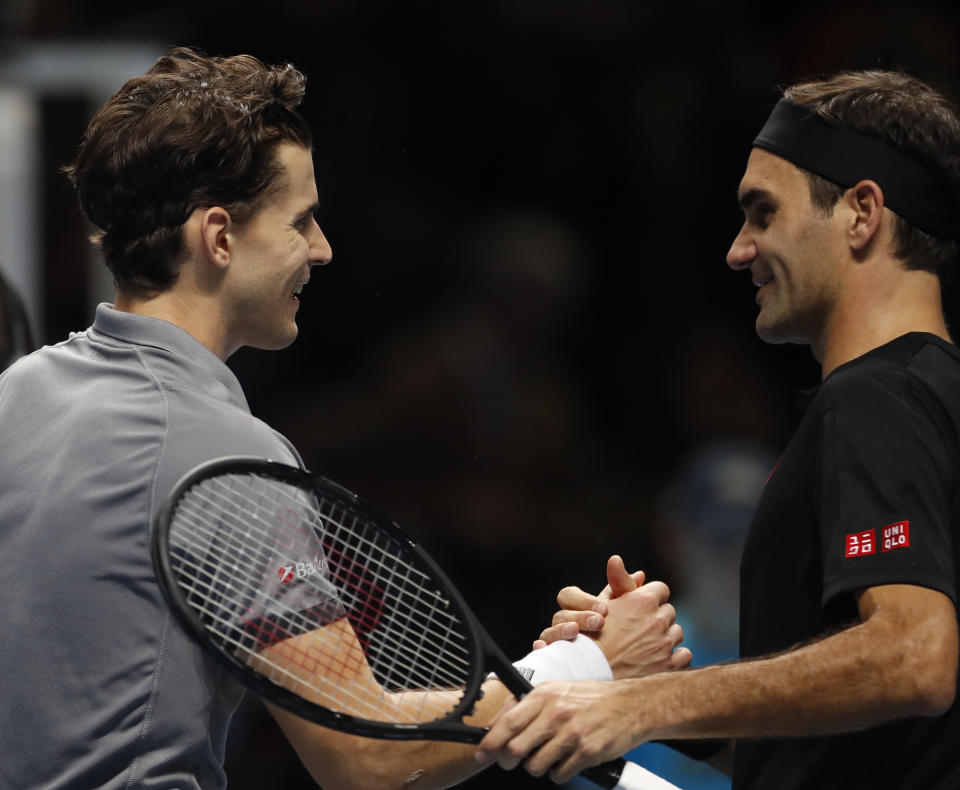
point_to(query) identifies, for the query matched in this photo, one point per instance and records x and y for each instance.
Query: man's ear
(215, 240)
(865, 200)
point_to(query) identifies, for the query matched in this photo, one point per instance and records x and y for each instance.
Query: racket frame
(486, 656)
(484, 653)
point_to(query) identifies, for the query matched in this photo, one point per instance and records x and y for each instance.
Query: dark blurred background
(528, 348)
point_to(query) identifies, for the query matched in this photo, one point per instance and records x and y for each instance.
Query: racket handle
(606, 775)
(620, 774)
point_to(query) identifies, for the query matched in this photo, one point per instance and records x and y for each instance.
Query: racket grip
(621, 774)
(606, 775)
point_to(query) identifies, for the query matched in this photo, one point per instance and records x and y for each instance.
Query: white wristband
(577, 659)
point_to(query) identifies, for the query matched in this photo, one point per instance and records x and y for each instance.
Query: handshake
(631, 621)
(627, 631)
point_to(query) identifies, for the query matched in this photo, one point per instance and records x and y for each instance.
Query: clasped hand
(632, 622)
(562, 728)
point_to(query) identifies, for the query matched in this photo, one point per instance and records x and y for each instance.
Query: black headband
(845, 156)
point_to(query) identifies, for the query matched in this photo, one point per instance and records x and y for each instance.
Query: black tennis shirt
(865, 494)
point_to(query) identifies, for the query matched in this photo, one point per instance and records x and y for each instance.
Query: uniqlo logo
(860, 544)
(896, 536)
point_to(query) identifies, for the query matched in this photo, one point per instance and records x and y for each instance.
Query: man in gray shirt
(199, 176)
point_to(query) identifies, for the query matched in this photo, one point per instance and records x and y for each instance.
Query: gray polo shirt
(99, 688)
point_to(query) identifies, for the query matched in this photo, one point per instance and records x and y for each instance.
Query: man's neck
(875, 313)
(200, 320)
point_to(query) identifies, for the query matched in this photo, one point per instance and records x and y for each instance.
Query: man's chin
(777, 332)
(276, 342)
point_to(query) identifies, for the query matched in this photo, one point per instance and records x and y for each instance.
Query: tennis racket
(323, 607)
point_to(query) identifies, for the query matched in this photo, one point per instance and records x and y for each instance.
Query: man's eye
(762, 215)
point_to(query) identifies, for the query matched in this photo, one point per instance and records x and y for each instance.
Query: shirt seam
(151, 500)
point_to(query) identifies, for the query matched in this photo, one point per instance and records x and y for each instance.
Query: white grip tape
(579, 658)
(635, 777)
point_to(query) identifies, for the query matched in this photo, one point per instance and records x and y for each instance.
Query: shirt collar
(142, 330)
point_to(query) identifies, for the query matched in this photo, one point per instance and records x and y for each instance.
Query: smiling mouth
(762, 280)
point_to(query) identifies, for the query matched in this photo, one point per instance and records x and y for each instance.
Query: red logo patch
(896, 536)
(286, 574)
(860, 544)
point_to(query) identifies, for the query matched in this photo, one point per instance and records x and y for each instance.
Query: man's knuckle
(589, 751)
(563, 712)
(566, 592)
(533, 768)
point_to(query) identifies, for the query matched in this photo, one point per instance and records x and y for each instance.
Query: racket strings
(292, 664)
(276, 575)
(409, 588)
(404, 653)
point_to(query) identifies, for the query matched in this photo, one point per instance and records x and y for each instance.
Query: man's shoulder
(200, 437)
(907, 360)
(199, 417)
(60, 364)
(912, 380)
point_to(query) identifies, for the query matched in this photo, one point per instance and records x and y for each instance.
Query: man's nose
(742, 251)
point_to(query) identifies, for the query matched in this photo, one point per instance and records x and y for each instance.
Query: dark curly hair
(192, 132)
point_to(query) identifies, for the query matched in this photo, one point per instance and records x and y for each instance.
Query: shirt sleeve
(888, 463)
(257, 564)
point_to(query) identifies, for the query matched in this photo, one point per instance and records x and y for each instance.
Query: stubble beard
(777, 324)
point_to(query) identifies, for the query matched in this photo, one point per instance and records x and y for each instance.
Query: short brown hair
(192, 132)
(907, 114)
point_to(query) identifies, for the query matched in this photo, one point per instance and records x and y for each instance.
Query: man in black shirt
(851, 201)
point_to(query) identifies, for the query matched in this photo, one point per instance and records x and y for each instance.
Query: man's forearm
(339, 761)
(870, 673)
(900, 661)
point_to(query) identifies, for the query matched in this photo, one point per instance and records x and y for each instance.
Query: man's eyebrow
(751, 196)
(310, 211)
